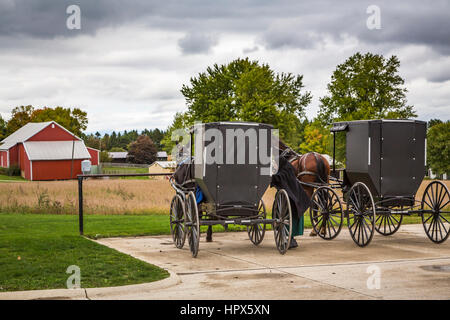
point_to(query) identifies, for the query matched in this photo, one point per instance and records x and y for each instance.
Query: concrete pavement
(409, 266)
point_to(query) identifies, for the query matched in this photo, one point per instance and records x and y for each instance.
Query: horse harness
(302, 158)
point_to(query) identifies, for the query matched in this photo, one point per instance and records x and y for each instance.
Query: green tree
(156, 135)
(117, 149)
(365, 86)
(316, 138)
(180, 121)
(438, 148)
(245, 90)
(434, 122)
(142, 150)
(20, 116)
(104, 156)
(74, 120)
(3, 124)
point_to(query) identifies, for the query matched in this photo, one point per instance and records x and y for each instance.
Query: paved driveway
(409, 266)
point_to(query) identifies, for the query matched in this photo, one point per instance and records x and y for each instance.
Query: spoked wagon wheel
(436, 204)
(361, 214)
(282, 227)
(326, 213)
(192, 223)
(256, 232)
(388, 223)
(177, 214)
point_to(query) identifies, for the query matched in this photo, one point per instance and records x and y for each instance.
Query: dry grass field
(112, 196)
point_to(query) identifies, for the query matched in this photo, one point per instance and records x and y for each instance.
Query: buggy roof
(233, 123)
(343, 125)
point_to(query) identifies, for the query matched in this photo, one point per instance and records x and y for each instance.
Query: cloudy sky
(127, 63)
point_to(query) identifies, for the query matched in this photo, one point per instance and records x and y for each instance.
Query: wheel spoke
(438, 222)
(443, 226)
(444, 218)
(425, 221)
(439, 199)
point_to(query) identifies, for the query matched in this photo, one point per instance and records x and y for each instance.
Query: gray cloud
(194, 43)
(279, 23)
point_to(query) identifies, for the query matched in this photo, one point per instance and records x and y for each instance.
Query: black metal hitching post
(334, 154)
(80, 204)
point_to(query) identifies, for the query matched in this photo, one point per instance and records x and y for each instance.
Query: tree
(316, 138)
(74, 120)
(104, 156)
(156, 135)
(438, 148)
(180, 121)
(142, 150)
(365, 86)
(117, 149)
(2, 128)
(434, 122)
(20, 116)
(245, 90)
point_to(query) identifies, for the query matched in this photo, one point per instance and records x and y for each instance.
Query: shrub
(11, 171)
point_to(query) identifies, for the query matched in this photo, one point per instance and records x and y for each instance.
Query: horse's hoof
(313, 234)
(208, 240)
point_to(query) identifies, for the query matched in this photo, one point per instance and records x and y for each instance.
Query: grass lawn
(11, 178)
(35, 251)
(125, 170)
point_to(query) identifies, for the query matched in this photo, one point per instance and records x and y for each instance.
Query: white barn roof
(23, 134)
(118, 155)
(161, 154)
(56, 150)
(26, 132)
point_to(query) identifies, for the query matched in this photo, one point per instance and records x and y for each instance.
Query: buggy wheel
(192, 223)
(360, 214)
(177, 214)
(257, 231)
(436, 201)
(282, 226)
(387, 223)
(326, 213)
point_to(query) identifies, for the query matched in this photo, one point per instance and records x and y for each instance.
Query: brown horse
(311, 167)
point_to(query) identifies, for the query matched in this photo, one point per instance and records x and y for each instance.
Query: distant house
(46, 151)
(161, 156)
(162, 167)
(118, 157)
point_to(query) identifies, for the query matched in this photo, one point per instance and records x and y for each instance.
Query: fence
(124, 165)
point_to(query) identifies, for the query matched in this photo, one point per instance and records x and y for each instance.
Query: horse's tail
(321, 170)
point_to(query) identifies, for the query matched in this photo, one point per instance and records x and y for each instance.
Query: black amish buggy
(224, 185)
(385, 165)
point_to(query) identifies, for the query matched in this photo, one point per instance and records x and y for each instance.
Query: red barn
(43, 151)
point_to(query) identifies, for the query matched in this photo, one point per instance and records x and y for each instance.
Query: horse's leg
(209, 234)
(309, 192)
